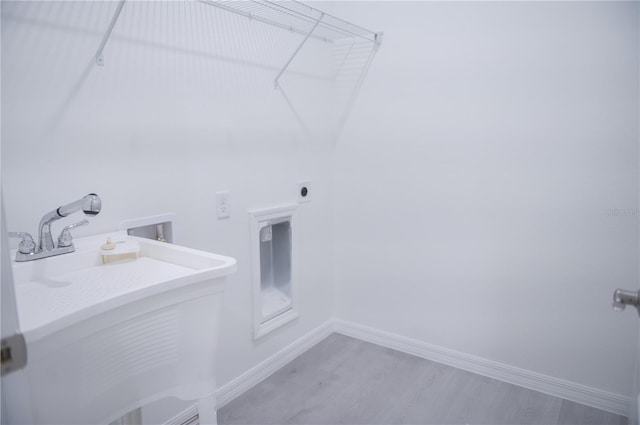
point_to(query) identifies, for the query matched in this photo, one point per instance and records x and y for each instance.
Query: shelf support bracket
(286, 65)
(107, 34)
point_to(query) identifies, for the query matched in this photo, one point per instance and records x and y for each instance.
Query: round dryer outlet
(304, 191)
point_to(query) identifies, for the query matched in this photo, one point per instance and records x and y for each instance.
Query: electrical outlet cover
(222, 205)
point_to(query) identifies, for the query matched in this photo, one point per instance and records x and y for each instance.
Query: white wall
(184, 106)
(469, 190)
(474, 178)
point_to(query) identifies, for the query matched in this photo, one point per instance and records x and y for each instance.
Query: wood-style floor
(347, 381)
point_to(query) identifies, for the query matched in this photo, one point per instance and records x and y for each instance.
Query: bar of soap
(122, 250)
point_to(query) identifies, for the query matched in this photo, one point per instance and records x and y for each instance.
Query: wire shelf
(290, 15)
(296, 17)
(354, 47)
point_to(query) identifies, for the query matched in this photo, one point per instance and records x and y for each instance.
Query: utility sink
(106, 338)
(56, 292)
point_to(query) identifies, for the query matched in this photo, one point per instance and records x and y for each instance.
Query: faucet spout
(89, 204)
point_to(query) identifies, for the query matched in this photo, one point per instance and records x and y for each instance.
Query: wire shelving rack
(290, 15)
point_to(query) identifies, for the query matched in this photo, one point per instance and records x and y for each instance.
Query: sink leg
(207, 414)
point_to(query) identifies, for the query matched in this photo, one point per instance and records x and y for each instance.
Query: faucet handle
(65, 239)
(27, 245)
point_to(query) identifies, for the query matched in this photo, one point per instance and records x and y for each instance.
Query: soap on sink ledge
(119, 250)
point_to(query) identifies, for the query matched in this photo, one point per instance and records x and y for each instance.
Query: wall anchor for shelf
(275, 83)
(378, 39)
(105, 38)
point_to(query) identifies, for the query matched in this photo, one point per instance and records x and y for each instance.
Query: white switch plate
(304, 196)
(222, 204)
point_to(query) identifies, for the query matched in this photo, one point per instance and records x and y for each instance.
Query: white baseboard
(186, 417)
(582, 394)
(258, 373)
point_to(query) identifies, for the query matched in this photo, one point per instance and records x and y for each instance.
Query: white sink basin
(56, 292)
(104, 339)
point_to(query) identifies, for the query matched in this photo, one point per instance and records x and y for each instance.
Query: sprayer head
(91, 204)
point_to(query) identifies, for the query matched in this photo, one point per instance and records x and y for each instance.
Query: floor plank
(343, 380)
(574, 413)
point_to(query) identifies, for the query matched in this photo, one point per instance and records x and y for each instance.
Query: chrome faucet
(28, 250)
